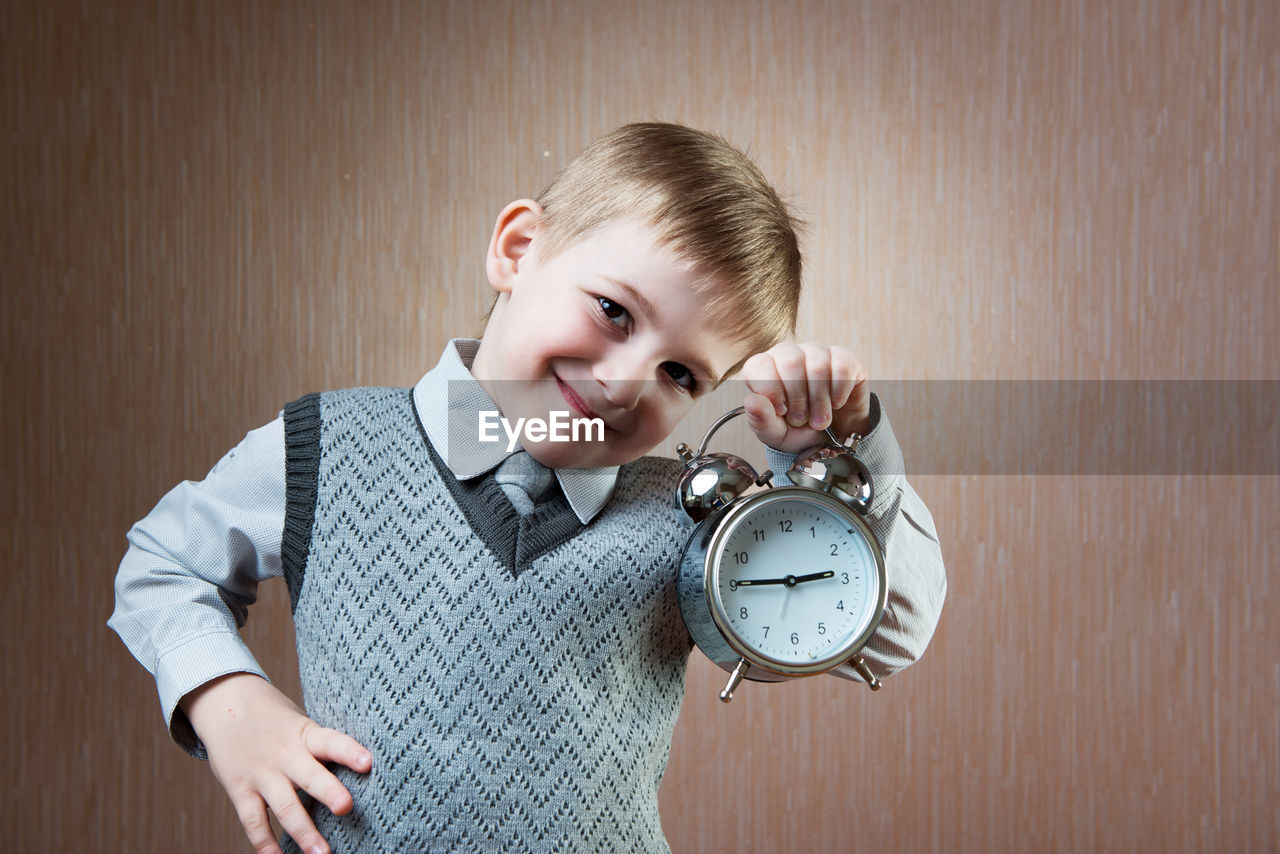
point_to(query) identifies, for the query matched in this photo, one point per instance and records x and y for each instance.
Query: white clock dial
(796, 580)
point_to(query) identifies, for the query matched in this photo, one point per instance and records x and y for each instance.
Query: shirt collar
(449, 400)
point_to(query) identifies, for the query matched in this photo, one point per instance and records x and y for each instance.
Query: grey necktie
(525, 481)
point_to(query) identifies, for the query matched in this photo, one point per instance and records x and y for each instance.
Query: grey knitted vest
(516, 678)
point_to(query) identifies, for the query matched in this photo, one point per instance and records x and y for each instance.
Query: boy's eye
(616, 313)
(680, 375)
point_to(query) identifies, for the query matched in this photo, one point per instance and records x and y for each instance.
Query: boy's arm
(794, 393)
(182, 592)
(192, 570)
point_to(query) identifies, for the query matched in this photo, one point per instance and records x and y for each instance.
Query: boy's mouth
(577, 403)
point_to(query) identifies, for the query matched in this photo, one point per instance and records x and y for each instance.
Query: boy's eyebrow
(645, 308)
(633, 296)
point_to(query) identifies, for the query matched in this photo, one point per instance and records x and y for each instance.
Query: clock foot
(735, 679)
(865, 672)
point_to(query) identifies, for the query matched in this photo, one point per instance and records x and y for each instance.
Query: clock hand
(790, 580)
(758, 582)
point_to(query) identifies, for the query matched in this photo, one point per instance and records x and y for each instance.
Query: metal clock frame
(711, 577)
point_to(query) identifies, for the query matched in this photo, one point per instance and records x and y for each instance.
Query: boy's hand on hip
(796, 391)
(262, 748)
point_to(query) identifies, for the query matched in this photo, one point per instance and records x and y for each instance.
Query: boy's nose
(621, 377)
(622, 392)
(622, 372)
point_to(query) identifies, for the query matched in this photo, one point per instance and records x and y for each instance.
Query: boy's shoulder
(361, 402)
(361, 396)
(371, 417)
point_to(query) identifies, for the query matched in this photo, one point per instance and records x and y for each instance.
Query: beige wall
(210, 209)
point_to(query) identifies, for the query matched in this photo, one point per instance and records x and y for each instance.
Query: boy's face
(611, 327)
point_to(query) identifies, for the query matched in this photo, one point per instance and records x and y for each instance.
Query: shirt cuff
(192, 663)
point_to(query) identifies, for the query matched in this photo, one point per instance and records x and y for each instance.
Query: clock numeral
(742, 612)
(833, 548)
(785, 525)
(813, 532)
(840, 605)
(844, 578)
(740, 558)
(822, 628)
(795, 638)
(733, 584)
(758, 533)
(766, 631)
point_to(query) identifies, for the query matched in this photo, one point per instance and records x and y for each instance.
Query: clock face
(795, 577)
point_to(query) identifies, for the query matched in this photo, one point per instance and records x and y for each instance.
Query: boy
(491, 652)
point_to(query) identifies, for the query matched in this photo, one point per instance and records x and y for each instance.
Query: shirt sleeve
(916, 577)
(192, 570)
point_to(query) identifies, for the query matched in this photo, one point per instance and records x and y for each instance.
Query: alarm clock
(784, 581)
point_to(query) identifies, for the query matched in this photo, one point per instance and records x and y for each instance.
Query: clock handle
(735, 679)
(720, 422)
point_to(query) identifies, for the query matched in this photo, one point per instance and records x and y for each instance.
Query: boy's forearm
(192, 570)
(917, 582)
(185, 671)
(181, 629)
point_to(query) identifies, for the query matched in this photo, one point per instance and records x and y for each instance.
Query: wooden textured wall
(211, 208)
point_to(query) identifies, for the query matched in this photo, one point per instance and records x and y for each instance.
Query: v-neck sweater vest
(517, 679)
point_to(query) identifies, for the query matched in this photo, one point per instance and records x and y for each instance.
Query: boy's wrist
(878, 448)
(198, 705)
(194, 663)
(219, 701)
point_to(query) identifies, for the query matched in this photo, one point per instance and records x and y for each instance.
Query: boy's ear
(511, 242)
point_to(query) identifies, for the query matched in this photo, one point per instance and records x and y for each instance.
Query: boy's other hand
(796, 391)
(262, 748)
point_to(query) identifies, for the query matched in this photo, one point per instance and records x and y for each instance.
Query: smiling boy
(491, 653)
(612, 327)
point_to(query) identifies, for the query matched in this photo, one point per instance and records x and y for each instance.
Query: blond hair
(709, 204)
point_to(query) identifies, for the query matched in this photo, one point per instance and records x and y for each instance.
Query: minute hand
(789, 581)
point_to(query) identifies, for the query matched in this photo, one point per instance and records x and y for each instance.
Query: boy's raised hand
(262, 748)
(796, 391)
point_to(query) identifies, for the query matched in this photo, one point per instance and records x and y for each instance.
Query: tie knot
(525, 481)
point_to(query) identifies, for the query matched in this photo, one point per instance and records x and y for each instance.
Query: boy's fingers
(763, 419)
(253, 818)
(759, 409)
(818, 374)
(318, 782)
(760, 373)
(330, 745)
(284, 802)
(790, 360)
(846, 374)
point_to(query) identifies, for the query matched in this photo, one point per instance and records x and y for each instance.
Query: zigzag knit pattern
(505, 712)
